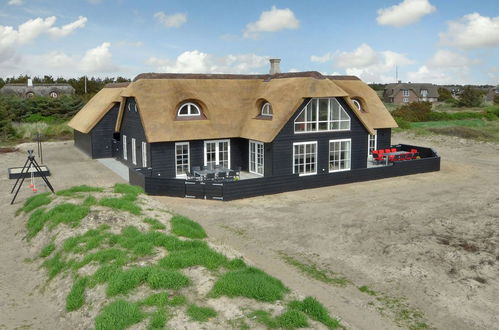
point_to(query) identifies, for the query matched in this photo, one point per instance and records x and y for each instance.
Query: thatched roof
(97, 107)
(393, 89)
(231, 103)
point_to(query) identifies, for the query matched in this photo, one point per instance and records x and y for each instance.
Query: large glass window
(339, 155)
(405, 92)
(134, 152)
(305, 158)
(256, 153)
(217, 153)
(182, 158)
(322, 114)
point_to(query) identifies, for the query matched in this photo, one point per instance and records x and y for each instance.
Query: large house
(280, 131)
(492, 93)
(30, 90)
(403, 93)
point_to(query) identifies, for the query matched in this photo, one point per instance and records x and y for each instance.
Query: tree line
(93, 84)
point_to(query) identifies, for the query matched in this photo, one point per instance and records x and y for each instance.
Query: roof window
(189, 109)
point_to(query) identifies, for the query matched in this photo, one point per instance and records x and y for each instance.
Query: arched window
(357, 104)
(189, 109)
(266, 109)
(53, 95)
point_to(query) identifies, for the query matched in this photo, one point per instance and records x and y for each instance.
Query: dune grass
(249, 282)
(198, 256)
(316, 273)
(122, 204)
(154, 224)
(290, 319)
(158, 319)
(78, 189)
(315, 310)
(182, 226)
(119, 315)
(47, 250)
(200, 314)
(76, 297)
(69, 214)
(35, 202)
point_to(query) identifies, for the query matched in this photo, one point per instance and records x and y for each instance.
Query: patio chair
(391, 158)
(232, 175)
(238, 171)
(394, 149)
(379, 157)
(195, 168)
(414, 150)
(210, 176)
(209, 167)
(221, 176)
(387, 150)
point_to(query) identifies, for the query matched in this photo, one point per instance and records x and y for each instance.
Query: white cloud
(15, 2)
(431, 75)
(271, 21)
(10, 38)
(98, 60)
(472, 31)
(366, 63)
(174, 20)
(446, 58)
(125, 43)
(405, 13)
(198, 62)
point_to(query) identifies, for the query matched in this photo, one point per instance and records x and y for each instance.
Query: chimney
(274, 65)
(30, 82)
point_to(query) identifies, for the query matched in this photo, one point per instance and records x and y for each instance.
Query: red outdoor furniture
(394, 149)
(387, 150)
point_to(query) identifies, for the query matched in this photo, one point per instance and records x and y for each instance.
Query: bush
(496, 99)
(470, 97)
(444, 94)
(404, 124)
(415, 111)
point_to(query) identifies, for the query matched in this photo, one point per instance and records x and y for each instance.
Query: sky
(435, 41)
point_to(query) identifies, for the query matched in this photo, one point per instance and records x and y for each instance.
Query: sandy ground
(432, 238)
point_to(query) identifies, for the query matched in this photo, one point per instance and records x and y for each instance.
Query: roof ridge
(266, 77)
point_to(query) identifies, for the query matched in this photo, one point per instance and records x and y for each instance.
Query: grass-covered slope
(119, 260)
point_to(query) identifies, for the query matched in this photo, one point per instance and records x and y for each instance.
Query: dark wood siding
(282, 146)
(131, 127)
(102, 134)
(384, 138)
(83, 142)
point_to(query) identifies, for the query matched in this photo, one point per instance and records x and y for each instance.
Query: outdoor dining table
(387, 155)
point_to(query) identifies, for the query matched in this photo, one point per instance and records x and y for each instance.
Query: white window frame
(315, 157)
(339, 160)
(254, 165)
(144, 154)
(405, 100)
(181, 175)
(266, 110)
(134, 151)
(125, 151)
(217, 151)
(190, 113)
(424, 93)
(405, 92)
(357, 104)
(373, 138)
(330, 121)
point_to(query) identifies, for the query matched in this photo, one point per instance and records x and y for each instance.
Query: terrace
(250, 185)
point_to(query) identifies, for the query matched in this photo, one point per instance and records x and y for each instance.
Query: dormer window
(189, 110)
(357, 104)
(266, 110)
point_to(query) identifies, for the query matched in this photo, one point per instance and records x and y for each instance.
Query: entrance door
(217, 152)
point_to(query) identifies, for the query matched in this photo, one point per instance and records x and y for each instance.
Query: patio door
(256, 157)
(217, 153)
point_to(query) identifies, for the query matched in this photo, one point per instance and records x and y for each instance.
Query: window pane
(323, 109)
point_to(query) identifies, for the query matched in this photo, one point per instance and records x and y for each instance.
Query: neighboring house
(403, 93)
(283, 131)
(492, 93)
(30, 90)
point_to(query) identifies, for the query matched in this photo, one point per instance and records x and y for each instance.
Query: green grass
(202, 256)
(124, 188)
(54, 265)
(76, 297)
(158, 319)
(182, 226)
(290, 319)
(156, 299)
(78, 189)
(315, 273)
(89, 201)
(69, 214)
(251, 283)
(47, 250)
(366, 289)
(119, 315)
(315, 310)
(200, 314)
(35, 202)
(122, 204)
(155, 277)
(451, 123)
(154, 224)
